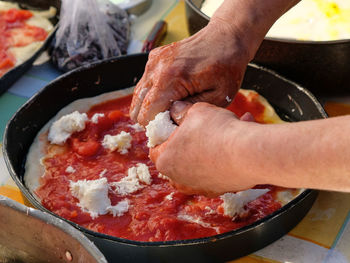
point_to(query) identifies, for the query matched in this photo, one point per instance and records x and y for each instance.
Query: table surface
(322, 236)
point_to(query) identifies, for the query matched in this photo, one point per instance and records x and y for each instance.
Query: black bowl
(321, 66)
(291, 101)
(15, 73)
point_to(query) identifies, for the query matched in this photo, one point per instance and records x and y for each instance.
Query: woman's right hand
(206, 67)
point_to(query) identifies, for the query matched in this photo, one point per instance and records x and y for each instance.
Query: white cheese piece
(137, 127)
(92, 195)
(164, 177)
(70, 170)
(194, 220)
(234, 202)
(127, 185)
(96, 116)
(131, 183)
(119, 209)
(63, 128)
(120, 142)
(170, 196)
(102, 173)
(209, 210)
(159, 130)
(142, 173)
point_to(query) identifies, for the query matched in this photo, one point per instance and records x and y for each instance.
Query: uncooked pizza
(22, 33)
(90, 165)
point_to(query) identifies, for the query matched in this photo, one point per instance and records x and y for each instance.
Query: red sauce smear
(241, 104)
(14, 32)
(152, 216)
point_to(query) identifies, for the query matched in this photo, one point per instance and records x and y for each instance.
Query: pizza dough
(119, 195)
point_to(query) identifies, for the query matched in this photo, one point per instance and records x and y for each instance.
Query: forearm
(313, 154)
(251, 19)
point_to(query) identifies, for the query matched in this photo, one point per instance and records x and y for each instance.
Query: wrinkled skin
(194, 155)
(184, 71)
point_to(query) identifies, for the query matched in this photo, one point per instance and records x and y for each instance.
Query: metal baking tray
(15, 73)
(291, 101)
(30, 235)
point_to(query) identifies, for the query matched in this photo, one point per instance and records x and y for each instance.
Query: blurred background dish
(27, 53)
(317, 20)
(320, 66)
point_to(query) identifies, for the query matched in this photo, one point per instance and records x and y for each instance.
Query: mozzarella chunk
(159, 130)
(131, 183)
(103, 173)
(92, 195)
(96, 116)
(127, 185)
(164, 177)
(70, 169)
(234, 202)
(142, 173)
(137, 127)
(120, 142)
(170, 196)
(63, 128)
(119, 209)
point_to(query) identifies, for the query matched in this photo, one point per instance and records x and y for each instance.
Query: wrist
(242, 143)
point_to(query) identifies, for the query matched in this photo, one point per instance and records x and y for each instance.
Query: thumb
(178, 110)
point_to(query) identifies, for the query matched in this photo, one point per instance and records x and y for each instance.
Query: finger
(247, 117)
(178, 110)
(214, 96)
(155, 152)
(140, 93)
(160, 98)
(184, 189)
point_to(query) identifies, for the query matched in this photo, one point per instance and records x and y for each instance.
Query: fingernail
(179, 106)
(179, 109)
(247, 117)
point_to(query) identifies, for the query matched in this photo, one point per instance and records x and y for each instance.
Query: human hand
(197, 157)
(207, 67)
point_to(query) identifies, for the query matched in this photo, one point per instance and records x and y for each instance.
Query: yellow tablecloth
(322, 236)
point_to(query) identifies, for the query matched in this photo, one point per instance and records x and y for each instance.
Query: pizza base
(34, 169)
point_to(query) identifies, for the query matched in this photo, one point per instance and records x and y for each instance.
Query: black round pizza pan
(291, 101)
(321, 66)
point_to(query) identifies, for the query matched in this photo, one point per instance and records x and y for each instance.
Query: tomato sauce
(15, 32)
(158, 212)
(241, 104)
